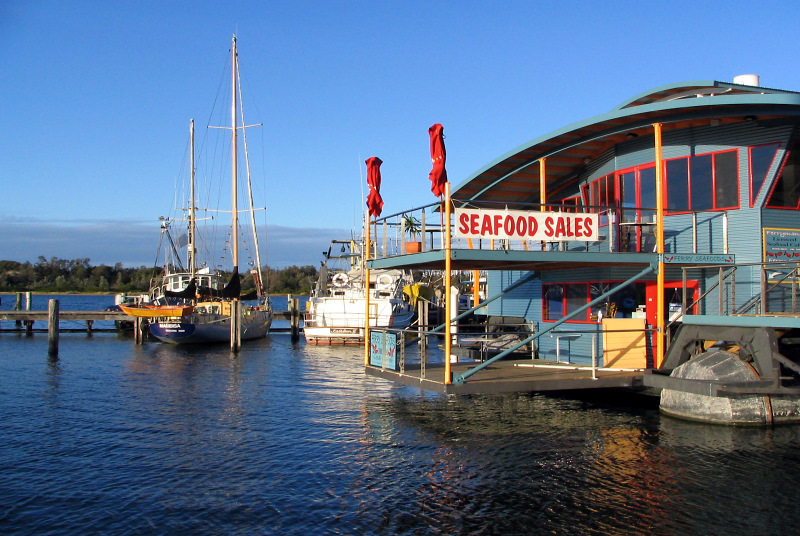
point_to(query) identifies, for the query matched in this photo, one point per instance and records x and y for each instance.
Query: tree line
(78, 275)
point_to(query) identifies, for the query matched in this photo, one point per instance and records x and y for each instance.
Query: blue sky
(97, 96)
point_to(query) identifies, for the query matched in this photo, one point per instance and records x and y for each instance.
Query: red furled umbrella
(438, 174)
(374, 201)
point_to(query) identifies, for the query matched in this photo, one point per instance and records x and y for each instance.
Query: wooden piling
(18, 307)
(294, 314)
(52, 328)
(137, 330)
(28, 307)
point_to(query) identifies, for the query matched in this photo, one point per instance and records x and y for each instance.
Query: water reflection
(292, 439)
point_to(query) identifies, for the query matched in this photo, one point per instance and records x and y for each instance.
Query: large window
(786, 192)
(561, 299)
(703, 182)
(599, 195)
(761, 159)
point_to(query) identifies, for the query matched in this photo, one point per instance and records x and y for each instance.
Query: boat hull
(183, 331)
(333, 335)
(347, 334)
(153, 311)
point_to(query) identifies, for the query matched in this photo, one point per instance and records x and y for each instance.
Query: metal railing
(753, 289)
(622, 229)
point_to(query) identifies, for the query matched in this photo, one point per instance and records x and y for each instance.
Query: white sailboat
(217, 314)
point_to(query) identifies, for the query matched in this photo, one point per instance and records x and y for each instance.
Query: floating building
(639, 240)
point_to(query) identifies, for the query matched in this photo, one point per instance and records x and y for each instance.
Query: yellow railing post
(660, 320)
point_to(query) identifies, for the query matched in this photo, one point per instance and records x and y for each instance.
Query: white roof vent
(747, 80)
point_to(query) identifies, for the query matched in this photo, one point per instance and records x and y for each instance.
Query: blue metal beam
(461, 378)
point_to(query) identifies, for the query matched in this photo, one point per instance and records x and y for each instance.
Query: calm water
(291, 439)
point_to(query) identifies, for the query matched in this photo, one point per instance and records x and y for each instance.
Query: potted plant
(411, 224)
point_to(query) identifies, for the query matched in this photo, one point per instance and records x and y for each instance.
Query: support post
(18, 307)
(52, 328)
(423, 322)
(138, 336)
(28, 307)
(294, 313)
(660, 191)
(236, 329)
(365, 271)
(448, 376)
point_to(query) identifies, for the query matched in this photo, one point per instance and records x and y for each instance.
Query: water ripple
(282, 439)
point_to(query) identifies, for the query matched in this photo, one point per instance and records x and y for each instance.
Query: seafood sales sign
(526, 225)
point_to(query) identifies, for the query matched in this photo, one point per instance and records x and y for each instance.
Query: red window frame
(714, 205)
(754, 195)
(786, 155)
(564, 302)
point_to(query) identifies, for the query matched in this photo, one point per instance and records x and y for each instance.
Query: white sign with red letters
(526, 225)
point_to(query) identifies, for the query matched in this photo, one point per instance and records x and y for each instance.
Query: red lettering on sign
(463, 223)
(560, 230)
(486, 225)
(548, 226)
(508, 225)
(473, 224)
(498, 224)
(533, 226)
(588, 223)
(522, 226)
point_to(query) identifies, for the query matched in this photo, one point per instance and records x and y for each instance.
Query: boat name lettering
(526, 225)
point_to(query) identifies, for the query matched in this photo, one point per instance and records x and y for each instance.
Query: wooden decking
(508, 376)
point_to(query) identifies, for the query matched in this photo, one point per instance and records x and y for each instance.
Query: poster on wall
(781, 245)
(383, 350)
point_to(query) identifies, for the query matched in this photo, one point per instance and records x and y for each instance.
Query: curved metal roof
(513, 179)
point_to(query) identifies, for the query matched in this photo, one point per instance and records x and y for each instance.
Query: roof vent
(747, 80)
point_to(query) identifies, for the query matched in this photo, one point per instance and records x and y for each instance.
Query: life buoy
(385, 281)
(340, 280)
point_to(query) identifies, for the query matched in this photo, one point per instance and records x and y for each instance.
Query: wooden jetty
(53, 316)
(510, 376)
(29, 317)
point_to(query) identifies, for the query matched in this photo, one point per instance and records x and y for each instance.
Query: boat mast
(257, 275)
(192, 225)
(234, 158)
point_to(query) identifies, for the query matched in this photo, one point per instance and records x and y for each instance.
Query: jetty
(53, 316)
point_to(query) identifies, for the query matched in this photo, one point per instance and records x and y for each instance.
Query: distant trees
(78, 275)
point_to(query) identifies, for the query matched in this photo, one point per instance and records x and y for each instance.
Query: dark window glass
(576, 298)
(677, 185)
(786, 193)
(647, 192)
(702, 177)
(761, 159)
(726, 183)
(553, 302)
(627, 196)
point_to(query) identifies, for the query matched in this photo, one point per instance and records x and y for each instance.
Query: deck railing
(752, 289)
(622, 229)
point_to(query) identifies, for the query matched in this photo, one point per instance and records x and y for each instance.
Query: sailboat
(173, 292)
(217, 314)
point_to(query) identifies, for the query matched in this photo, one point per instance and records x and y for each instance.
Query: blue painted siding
(744, 233)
